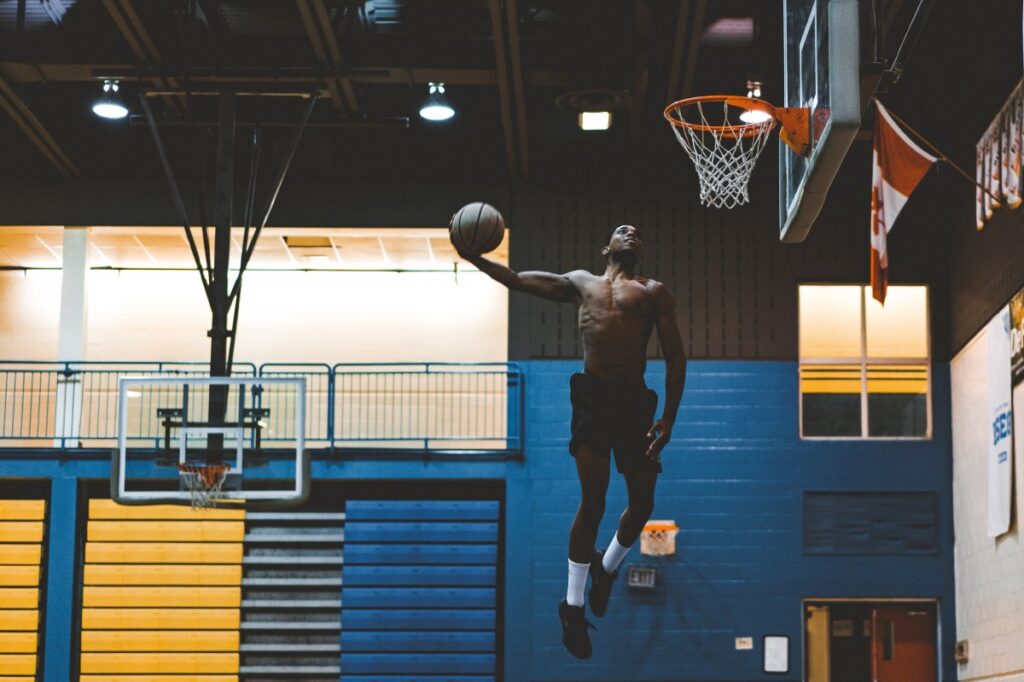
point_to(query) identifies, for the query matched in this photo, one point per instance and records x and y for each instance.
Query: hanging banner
(1000, 475)
(1017, 337)
(998, 159)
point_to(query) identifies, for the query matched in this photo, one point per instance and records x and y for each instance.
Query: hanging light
(109, 105)
(753, 115)
(437, 107)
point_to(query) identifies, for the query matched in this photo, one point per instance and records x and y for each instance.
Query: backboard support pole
(223, 200)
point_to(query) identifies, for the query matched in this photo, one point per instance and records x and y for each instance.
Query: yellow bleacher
(21, 537)
(161, 593)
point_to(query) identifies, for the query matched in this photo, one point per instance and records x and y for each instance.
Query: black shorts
(613, 417)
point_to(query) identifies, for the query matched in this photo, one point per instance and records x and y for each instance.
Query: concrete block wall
(989, 571)
(734, 477)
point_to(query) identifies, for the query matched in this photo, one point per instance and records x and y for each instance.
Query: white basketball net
(724, 156)
(204, 482)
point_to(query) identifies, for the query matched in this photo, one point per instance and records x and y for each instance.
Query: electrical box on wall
(962, 651)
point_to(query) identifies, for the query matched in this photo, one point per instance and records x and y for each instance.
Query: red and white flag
(899, 164)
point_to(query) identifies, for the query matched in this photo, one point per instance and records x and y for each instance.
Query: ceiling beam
(213, 19)
(678, 46)
(334, 52)
(139, 41)
(394, 122)
(132, 30)
(518, 91)
(32, 72)
(35, 131)
(696, 29)
(318, 49)
(504, 91)
(54, 10)
(689, 24)
(643, 38)
(325, 48)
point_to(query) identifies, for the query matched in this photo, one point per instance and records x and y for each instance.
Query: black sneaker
(574, 630)
(600, 584)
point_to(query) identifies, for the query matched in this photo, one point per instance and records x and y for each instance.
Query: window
(864, 368)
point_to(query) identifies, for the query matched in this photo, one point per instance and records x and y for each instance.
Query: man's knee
(641, 509)
(592, 508)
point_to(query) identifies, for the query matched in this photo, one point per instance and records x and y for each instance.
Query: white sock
(577, 581)
(614, 555)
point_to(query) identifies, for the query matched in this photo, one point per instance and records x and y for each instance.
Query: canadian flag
(899, 164)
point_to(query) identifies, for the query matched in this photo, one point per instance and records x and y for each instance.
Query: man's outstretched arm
(675, 368)
(544, 284)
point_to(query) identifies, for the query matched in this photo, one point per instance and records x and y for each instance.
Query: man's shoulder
(656, 289)
(581, 276)
(651, 284)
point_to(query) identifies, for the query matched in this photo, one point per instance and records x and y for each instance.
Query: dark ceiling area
(515, 70)
(508, 66)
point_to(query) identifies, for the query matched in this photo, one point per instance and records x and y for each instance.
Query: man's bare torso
(616, 317)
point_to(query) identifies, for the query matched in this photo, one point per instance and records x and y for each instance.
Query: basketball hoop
(204, 482)
(723, 135)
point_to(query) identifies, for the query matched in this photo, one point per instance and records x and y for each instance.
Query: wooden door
(903, 644)
(817, 638)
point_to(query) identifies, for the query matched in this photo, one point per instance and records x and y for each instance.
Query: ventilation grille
(870, 523)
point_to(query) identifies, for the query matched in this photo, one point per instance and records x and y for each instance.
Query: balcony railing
(423, 406)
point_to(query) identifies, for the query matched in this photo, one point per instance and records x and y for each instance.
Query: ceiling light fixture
(437, 107)
(595, 120)
(754, 115)
(109, 105)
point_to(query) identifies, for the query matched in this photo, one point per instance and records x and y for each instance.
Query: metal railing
(440, 405)
(422, 406)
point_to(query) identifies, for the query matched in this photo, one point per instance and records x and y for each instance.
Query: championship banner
(979, 188)
(1013, 188)
(986, 176)
(998, 160)
(1017, 337)
(1000, 473)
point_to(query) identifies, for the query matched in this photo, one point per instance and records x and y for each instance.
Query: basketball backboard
(822, 73)
(167, 421)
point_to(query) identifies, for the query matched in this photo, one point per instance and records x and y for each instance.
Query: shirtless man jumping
(613, 410)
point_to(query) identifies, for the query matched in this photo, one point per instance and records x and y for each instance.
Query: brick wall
(734, 283)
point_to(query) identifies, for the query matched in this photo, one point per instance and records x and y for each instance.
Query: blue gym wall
(734, 477)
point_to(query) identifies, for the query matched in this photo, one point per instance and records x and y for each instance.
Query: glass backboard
(167, 421)
(822, 74)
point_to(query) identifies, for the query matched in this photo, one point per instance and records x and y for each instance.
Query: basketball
(476, 228)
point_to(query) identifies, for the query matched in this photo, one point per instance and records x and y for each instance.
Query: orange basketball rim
(794, 121)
